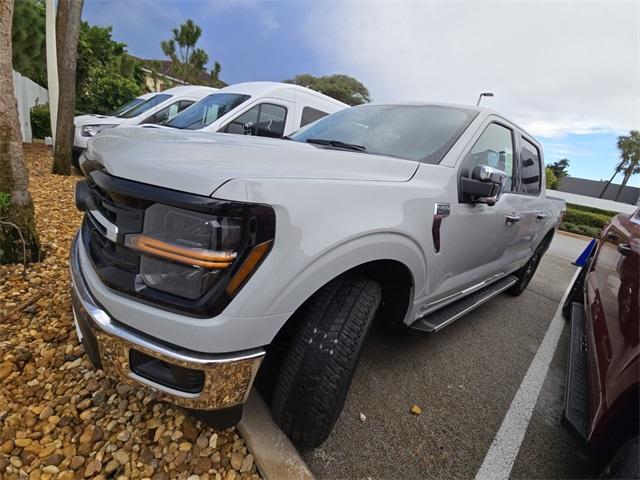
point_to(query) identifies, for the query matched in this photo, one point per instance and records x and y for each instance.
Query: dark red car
(603, 373)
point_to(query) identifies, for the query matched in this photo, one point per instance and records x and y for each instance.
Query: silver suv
(205, 260)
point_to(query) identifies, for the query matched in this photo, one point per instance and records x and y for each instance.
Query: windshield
(127, 106)
(144, 106)
(414, 132)
(207, 111)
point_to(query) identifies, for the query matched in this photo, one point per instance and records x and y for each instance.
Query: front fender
(343, 257)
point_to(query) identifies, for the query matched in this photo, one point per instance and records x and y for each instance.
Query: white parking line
(502, 454)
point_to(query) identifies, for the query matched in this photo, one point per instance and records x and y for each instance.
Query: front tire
(317, 370)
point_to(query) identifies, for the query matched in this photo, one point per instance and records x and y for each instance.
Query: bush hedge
(584, 218)
(580, 229)
(40, 121)
(591, 209)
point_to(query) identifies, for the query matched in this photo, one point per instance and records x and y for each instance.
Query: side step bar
(439, 319)
(576, 393)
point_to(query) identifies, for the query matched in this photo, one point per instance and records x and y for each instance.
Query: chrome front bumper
(227, 377)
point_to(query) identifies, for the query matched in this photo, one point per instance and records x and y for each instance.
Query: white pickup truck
(202, 256)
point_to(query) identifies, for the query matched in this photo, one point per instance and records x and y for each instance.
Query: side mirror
(485, 184)
(235, 128)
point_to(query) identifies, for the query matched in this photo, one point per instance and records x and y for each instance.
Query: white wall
(28, 93)
(592, 202)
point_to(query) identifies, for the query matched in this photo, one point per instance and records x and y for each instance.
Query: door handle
(624, 249)
(541, 215)
(513, 218)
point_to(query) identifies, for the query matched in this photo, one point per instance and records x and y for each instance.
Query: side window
(310, 115)
(530, 170)
(264, 120)
(167, 113)
(495, 149)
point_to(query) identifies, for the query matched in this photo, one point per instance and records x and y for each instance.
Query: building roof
(165, 68)
(592, 188)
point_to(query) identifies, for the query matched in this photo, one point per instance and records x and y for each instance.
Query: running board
(439, 319)
(576, 393)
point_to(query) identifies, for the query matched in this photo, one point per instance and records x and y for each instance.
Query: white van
(147, 108)
(267, 109)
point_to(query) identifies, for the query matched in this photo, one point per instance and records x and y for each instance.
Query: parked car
(264, 109)
(148, 108)
(603, 373)
(203, 255)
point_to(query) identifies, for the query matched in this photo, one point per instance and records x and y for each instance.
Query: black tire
(317, 370)
(525, 274)
(625, 463)
(575, 293)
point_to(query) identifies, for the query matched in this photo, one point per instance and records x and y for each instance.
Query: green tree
(560, 168)
(341, 87)
(188, 62)
(552, 180)
(106, 76)
(28, 40)
(629, 146)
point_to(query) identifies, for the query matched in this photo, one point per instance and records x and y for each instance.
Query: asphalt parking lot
(465, 379)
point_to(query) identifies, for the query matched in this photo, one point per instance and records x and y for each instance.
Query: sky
(567, 71)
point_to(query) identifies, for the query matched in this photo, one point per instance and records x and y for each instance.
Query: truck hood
(82, 120)
(199, 162)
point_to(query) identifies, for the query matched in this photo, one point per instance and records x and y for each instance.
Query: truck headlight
(184, 252)
(93, 130)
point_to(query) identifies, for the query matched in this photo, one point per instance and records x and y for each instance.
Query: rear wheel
(525, 274)
(317, 370)
(625, 463)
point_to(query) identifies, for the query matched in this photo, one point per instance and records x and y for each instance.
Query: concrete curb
(273, 452)
(574, 235)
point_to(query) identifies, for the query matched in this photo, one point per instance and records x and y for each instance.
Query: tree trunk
(18, 238)
(606, 185)
(627, 175)
(67, 32)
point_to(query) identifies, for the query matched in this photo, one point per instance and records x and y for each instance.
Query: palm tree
(629, 146)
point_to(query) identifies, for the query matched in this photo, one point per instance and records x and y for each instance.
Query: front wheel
(317, 370)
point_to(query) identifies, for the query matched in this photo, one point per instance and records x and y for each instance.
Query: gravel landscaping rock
(59, 417)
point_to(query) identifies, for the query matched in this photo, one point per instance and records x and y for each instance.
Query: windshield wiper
(336, 144)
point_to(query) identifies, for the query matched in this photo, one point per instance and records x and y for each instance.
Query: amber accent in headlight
(197, 257)
(249, 265)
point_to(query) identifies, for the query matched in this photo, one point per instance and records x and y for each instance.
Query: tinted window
(127, 106)
(207, 111)
(494, 148)
(146, 105)
(530, 168)
(167, 113)
(414, 132)
(264, 120)
(310, 115)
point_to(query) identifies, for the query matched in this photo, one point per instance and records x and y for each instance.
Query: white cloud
(555, 67)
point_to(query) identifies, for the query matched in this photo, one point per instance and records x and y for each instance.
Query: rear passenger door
(530, 202)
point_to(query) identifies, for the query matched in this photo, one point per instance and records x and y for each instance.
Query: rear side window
(530, 169)
(264, 120)
(310, 115)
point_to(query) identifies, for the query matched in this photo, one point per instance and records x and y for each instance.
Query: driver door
(476, 237)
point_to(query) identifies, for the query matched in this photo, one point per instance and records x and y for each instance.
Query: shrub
(40, 121)
(580, 229)
(590, 219)
(590, 209)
